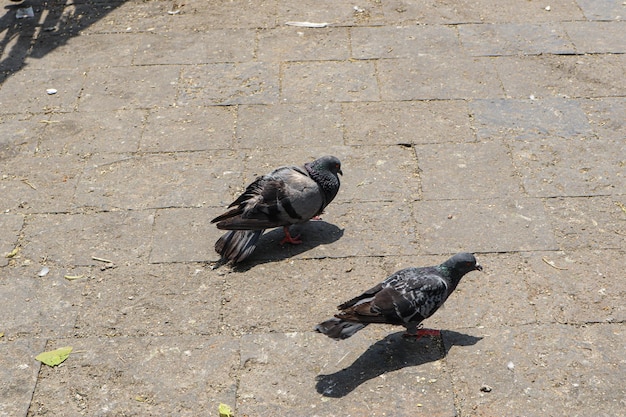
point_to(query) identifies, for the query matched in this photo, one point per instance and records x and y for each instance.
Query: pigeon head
(326, 164)
(462, 263)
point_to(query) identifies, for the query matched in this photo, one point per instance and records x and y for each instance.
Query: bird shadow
(313, 233)
(392, 353)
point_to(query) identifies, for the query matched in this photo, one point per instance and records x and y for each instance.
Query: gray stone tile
(556, 370)
(155, 180)
(73, 239)
(194, 15)
(329, 81)
(39, 306)
(132, 17)
(19, 370)
(601, 9)
(218, 45)
(249, 82)
(584, 76)
(149, 300)
(432, 12)
(86, 133)
(10, 227)
(407, 122)
(466, 170)
(587, 222)
(584, 166)
(134, 88)
(515, 39)
(433, 77)
(354, 379)
(403, 41)
(606, 116)
(485, 225)
(41, 183)
(25, 91)
(303, 44)
(19, 135)
(529, 119)
(174, 129)
(576, 287)
(597, 37)
(184, 235)
(318, 285)
(337, 13)
(288, 125)
(185, 375)
(85, 50)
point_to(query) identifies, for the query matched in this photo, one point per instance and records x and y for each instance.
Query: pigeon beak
(340, 172)
(479, 268)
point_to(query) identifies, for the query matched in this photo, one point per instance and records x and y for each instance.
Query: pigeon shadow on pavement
(390, 354)
(313, 233)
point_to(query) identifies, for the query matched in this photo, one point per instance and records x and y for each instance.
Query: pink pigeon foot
(289, 239)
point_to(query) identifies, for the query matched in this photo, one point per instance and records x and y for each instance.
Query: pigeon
(405, 298)
(286, 196)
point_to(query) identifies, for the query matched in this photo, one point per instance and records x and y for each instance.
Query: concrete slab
(446, 226)
(330, 81)
(337, 13)
(433, 78)
(515, 39)
(575, 286)
(601, 10)
(290, 43)
(597, 37)
(407, 122)
(587, 222)
(549, 369)
(606, 116)
(10, 227)
(227, 84)
(19, 371)
(139, 375)
(466, 170)
(176, 129)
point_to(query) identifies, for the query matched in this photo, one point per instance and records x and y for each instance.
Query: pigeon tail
(339, 329)
(237, 245)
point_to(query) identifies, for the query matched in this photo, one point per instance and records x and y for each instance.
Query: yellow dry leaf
(54, 357)
(225, 411)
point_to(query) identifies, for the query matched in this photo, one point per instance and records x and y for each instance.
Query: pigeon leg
(289, 239)
(423, 332)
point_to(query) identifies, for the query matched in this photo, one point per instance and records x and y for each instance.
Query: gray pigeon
(286, 196)
(405, 298)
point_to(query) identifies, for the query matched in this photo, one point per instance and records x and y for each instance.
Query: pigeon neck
(328, 182)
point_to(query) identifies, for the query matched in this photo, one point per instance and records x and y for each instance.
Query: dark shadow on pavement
(390, 354)
(312, 233)
(54, 22)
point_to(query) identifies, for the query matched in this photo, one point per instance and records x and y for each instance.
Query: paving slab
(597, 37)
(434, 78)
(148, 300)
(482, 225)
(19, 371)
(287, 43)
(330, 81)
(336, 13)
(11, 226)
(403, 41)
(587, 222)
(74, 239)
(542, 370)
(606, 116)
(466, 170)
(19, 134)
(431, 12)
(218, 45)
(515, 39)
(601, 10)
(154, 180)
(575, 286)
(563, 76)
(365, 376)
(225, 84)
(182, 375)
(407, 122)
(86, 133)
(288, 125)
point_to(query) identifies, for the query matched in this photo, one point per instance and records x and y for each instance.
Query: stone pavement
(495, 127)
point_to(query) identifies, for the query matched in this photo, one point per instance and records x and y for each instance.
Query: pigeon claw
(294, 240)
(423, 332)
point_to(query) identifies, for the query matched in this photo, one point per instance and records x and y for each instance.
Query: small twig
(95, 258)
(620, 205)
(25, 181)
(553, 265)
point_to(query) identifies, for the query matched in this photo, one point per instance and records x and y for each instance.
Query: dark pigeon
(405, 298)
(286, 196)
